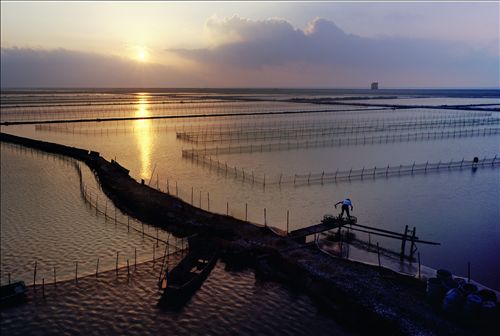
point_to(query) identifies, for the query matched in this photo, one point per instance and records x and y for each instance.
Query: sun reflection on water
(143, 135)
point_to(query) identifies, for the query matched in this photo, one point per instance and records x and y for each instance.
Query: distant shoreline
(431, 92)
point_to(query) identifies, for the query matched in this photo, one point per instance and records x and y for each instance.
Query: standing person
(346, 203)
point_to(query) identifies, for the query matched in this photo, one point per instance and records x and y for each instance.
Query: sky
(250, 44)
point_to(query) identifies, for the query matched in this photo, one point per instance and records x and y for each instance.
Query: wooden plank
(318, 228)
(381, 230)
(395, 237)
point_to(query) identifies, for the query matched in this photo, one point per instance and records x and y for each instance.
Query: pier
(332, 223)
(300, 235)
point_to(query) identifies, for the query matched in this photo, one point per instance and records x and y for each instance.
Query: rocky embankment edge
(364, 298)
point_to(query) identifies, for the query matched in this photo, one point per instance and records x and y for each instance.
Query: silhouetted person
(346, 203)
(475, 162)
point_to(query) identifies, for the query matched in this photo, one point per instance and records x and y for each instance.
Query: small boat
(13, 293)
(184, 279)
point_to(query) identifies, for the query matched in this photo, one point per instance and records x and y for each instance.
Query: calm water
(45, 219)
(228, 303)
(459, 209)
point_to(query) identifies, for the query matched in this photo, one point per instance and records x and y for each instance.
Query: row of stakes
(165, 256)
(63, 114)
(232, 126)
(225, 168)
(192, 203)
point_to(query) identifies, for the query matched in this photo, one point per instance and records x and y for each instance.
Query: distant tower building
(375, 86)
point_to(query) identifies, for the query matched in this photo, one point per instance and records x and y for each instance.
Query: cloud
(266, 53)
(275, 43)
(24, 67)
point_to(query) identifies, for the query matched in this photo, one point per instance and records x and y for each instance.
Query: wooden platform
(334, 223)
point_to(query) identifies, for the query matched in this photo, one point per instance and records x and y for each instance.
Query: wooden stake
(419, 274)
(378, 255)
(55, 277)
(34, 277)
(412, 245)
(76, 272)
(287, 221)
(403, 243)
(163, 263)
(117, 252)
(97, 268)
(154, 256)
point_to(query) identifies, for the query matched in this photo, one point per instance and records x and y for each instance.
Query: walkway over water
(333, 223)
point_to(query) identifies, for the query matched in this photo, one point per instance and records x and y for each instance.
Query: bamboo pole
(419, 273)
(34, 276)
(154, 256)
(378, 255)
(117, 252)
(403, 243)
(287, 221)
(412, 245)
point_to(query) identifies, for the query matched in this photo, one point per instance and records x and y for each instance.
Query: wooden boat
(184, 279)
(13, 293)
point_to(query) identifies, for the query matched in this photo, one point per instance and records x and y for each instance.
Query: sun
(142, 55)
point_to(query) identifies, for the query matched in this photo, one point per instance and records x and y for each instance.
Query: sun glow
(142, 55)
